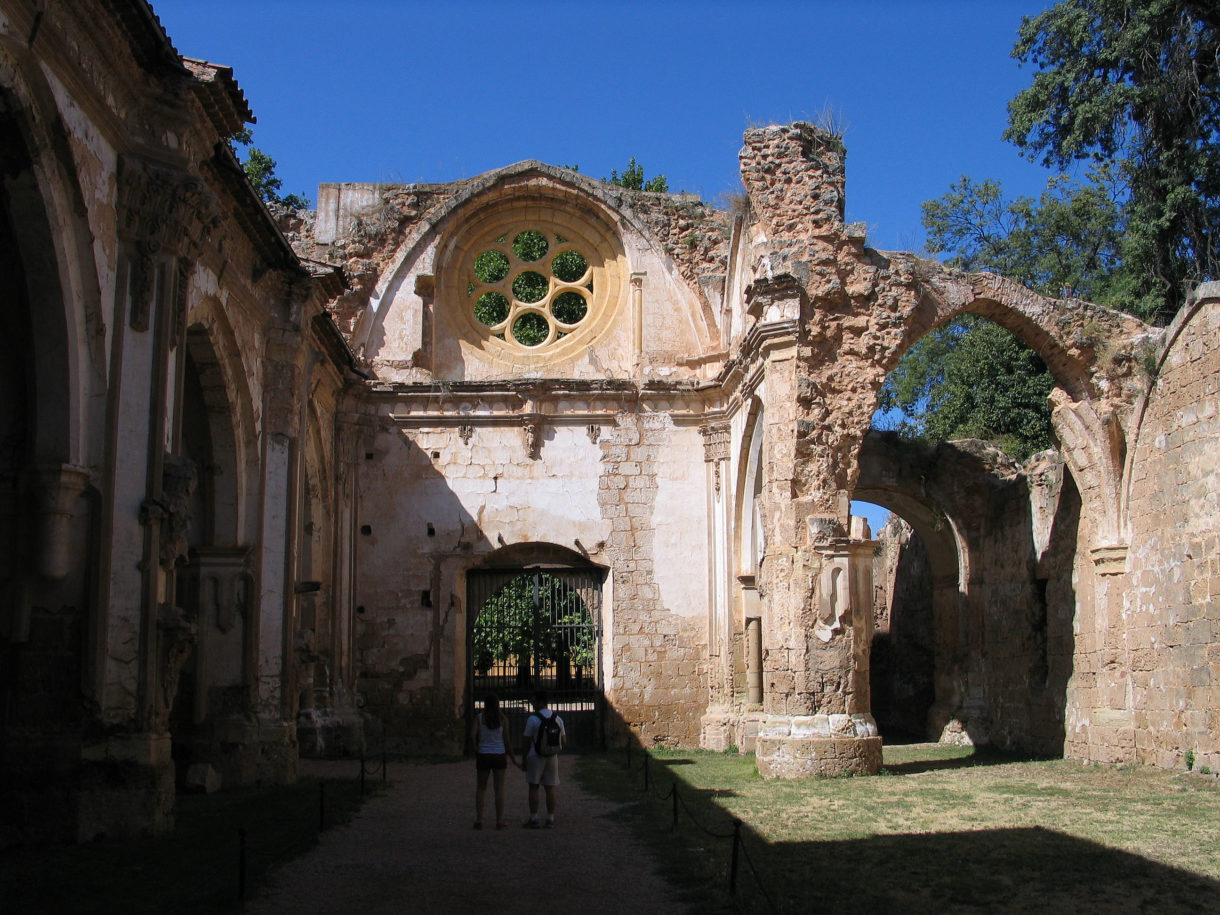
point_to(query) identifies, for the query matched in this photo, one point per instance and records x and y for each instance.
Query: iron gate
(532, 628)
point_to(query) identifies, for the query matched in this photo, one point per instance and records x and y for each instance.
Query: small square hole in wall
(366, 529)
(436, 455)
(425, 598)
(360, 610)
(431, 531)
(368, 455)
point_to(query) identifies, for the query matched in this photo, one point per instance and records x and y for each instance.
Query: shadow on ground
(980, 757)
(1009, 870)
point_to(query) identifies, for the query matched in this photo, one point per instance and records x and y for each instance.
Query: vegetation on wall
(260, 169)
(632, 178)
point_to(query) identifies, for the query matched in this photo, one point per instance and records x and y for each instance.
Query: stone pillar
(1111, 735)
(275, 558)
(826, 725)
(754, 671)
(56, 489)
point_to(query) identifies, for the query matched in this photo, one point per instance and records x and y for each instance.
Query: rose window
(531, 287)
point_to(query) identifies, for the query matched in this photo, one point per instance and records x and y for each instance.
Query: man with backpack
(541, 742)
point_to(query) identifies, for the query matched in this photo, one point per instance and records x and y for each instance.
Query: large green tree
(513, 629)
(970, 378)
(1134, 86)
(1065, 243)
(1130, 94)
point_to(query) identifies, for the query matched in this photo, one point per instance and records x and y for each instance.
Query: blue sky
(396, 90)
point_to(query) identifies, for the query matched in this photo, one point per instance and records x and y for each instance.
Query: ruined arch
(232, 419)
(1089, 408)
(210, 439)
(893, 476)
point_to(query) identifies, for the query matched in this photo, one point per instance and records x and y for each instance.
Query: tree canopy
(1065, 243)
(1134, 87)
(970, 378)
(508, 629)
(1124, 106)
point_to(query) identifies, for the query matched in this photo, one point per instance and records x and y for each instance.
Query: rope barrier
(739, 849)
(241, 864)
(762, 887)
(365, 770)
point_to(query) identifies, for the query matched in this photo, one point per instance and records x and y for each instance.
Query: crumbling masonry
(254, 467)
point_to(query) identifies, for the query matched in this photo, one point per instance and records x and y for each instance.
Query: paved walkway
(412, 850)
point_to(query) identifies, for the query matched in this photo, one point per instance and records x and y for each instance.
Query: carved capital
(161, 210)
(716, 438)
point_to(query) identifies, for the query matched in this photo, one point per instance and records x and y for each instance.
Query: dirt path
(413, 850)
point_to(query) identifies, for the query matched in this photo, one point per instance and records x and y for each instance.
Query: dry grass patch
(942, 829)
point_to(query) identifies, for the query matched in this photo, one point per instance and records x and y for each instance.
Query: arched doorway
(535, 622)
(214, 584)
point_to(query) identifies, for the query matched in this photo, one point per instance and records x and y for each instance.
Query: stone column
(824, 725)
(275, 557)
(1112, 732)
(56, 489)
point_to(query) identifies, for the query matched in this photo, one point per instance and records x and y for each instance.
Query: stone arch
(50, 381)
(209, 431)
(1068, 334)
(232, 418)
(1071, 336)
(42, 195)
(892, 476)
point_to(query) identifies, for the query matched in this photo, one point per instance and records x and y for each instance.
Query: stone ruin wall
(656, 547)
(857, 309)
(439, 498)
(1002, 646)
(1168, 682)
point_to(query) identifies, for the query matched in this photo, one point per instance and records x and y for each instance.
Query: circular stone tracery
(533, 287)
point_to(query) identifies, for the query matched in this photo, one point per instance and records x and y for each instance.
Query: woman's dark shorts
(490, 762)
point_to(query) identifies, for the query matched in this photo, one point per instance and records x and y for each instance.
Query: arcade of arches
(302, 483)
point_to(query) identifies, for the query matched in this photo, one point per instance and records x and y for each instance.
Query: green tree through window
(511, 636)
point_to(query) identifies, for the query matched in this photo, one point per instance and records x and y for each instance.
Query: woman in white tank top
(493, 749)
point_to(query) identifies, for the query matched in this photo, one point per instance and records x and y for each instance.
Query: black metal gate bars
(536, 628)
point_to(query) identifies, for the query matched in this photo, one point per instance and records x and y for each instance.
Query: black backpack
(549, 737)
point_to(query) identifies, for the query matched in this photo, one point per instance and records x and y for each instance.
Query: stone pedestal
(827, 745)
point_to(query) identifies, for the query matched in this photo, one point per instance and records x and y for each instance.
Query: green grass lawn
(941, 829)
(192, 869)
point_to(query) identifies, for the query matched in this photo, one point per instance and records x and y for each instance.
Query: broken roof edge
(557, 172)
(222, 98)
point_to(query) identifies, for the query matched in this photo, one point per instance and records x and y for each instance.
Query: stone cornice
(571, 402)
